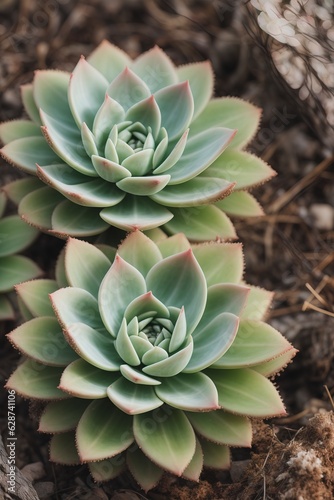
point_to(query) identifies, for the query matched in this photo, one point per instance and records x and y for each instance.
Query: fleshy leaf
(191, 392)
(147, 113)
(102, 56)
(240, 204)
(15, 235)
(86, 92)
(256, 342)
(133, 399)
(42, 340)
(174, 244)
(63, 450)
(29, 104)
(145, 472)
(36, 381)
(82, 380)
(136, 376)
(222, 428)
(14, 269)
(108, 469)
(120, 286)
(69, 219)
(173, 156)
(195, 466)
(16, 190)
(140, 251)
(136, 213)
(201, 79)
(203, 223)
(62, 416)
(155, 68)
(176, 106)
(246, 392)
(220, 262)
(212, 341)
(216, 456)
(7, 312)
(229, 112)
(50, 95)
(109, 114)
(258, 303)
(144, 186)
(86, 265)
(166, 437)
(128, 89)
(17, 129)
(37, 207)
(96, 436)
(172, 365)
(27, 151)
(109, 169)
(274, 366)
(35, 295)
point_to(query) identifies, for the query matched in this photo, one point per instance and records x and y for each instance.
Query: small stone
(44, 489)
(33, 472)
(237, 470)
(323, 216)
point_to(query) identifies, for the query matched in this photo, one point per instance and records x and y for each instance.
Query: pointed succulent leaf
(179, 281)
(230, 112)
(179, 332)
(122, 284)
(173, 156)
(128, 89)
(212, 341)
(195, 192)
(96, 436)
(94, 347)
(169, 99)
(84, 221)
(147, 113)
(86, 92)
(42, 340)
(143, 304)
(37, 207)
(108, 469)
(220, 262)
(140, 251)
(274, 366)
(144, 186)
(63, 449)
(190, 392)
(215, 456)
(50, 95)
(195, 466)
(74, 305)
(102, 56)
(200, 151)
(83, 380)
(223, 298)
(125, 348)
(18, 129)
(145, 472)
(133, 399)
(200, 223)
(174, 244)
(18, 189)
(166, 437)
(155, 68)
(88, 140)
(139, 164)
(172, 365)
(36, 381)
(241, 167)
(241, 204)
(85, 265)
(62, 416)
(27, 151)
(29, 103)
(35, 295)
(256, 342)
(201, 79)
(222, 427)
(14, 269)
(108, 169)
(136, 376)
(136, 213)
(246, 392)
(258, 303)
(15, 235)
(109, 114)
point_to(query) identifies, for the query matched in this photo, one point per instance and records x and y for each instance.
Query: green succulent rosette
(134, 144)
(15, 236)
(152, 358)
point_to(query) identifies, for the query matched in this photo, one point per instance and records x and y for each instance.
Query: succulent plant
(15, 236)
(151, 358)
(135, 145)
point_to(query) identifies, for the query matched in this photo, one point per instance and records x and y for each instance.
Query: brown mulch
(290, 250)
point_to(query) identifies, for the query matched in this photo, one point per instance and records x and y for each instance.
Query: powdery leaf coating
(134, 144)
(160, 342)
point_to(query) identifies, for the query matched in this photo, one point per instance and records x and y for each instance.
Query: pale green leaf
(140, 251)
(109, 60)
(128, 89)
(240, 204)
(274, 366)
(258, 303)
(220, 262)
(147, 113)
(27, 151)
(145, 472)
(108, 469)
(69, 219)
(15, 269)
(172, 245)
(201, 79)
(29, 104)
(215, 456)
(172, 365)
(131, 398)
(16, 190)
(7, 312)
(155, 68)
(37, 207)
(63, 449)
(15, 235)
(18, 129)
(62, 416)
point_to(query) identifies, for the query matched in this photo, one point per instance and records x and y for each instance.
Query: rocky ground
(289, 250)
